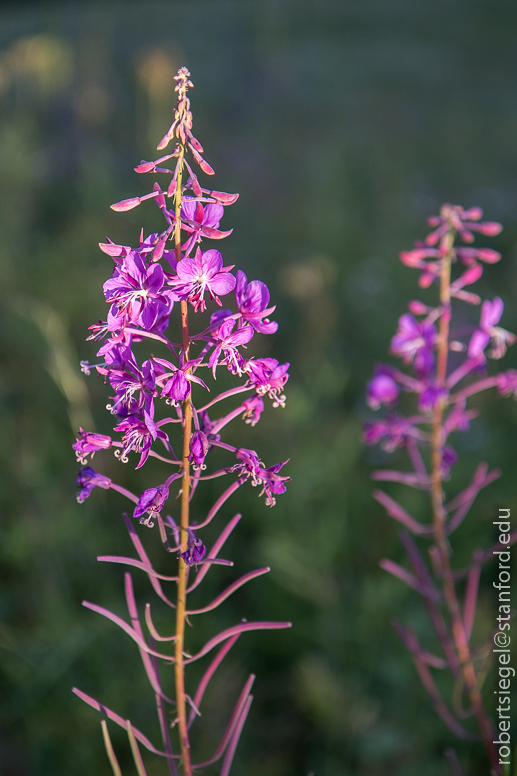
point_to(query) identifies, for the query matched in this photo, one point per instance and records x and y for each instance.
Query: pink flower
(203, 273)
(491, 313)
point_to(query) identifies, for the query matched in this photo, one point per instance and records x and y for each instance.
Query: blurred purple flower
(87, 480)
(414, 342)
(381, 390)
(151, 502)
(491, 313)
(195, 551)
(198, 449)
(88, 442)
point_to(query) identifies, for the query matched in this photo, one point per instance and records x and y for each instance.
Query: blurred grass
(342, 124)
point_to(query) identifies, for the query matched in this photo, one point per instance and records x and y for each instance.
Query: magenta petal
(187, 270)
(241, 285)
(491, 312)
(257, 296)
(212, 262)
(222, 283)
(213, 214)
(478, 343)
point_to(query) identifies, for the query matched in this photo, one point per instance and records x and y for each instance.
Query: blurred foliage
(342, 123)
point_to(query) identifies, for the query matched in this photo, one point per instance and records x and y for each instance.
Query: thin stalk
(439, 514)
(184, 524)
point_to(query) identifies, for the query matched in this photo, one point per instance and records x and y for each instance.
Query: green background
(343, 125)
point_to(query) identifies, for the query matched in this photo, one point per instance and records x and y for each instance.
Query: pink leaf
(117, 719)
(226, 634)
(229, 590)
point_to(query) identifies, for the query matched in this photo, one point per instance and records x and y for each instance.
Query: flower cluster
(141, 296)
(446, 367)
(171, 272)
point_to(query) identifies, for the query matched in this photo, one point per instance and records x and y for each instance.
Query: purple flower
(430, 397)
(87, 480)
(203, 273)
(507, 383)
(198, 449)
(414, 342)
(201, 222)
(491, 313)
(177, 386)
(227, 344)
(136, 293)
(135, 388)
(206, 425)
(195, 551)
(251, 467)
(273, 484)
(88, 443)
(393, 430)
(253, 408)
(268, 376)
(449, 458)
(252, 301)
(381, 390)
(139, 435)
(151, 502)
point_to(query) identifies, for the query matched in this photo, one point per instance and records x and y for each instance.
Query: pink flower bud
(472, 214)
(488, 255)
(145, 166)
(126, 204)
(418, 308)
(223, 198)
(489, 228)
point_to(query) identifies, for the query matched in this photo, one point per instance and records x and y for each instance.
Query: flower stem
(184, 524)
(439, 513)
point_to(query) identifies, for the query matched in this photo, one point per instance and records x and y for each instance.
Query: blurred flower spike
(447, 367)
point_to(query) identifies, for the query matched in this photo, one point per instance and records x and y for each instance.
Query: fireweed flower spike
(442, 384)
(149, 283)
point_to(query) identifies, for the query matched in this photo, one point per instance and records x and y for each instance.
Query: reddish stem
(439, 513)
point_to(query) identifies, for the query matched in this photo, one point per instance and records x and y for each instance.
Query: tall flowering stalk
(167, 269)
(447, 368)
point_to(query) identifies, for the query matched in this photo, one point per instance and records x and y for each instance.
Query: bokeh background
(343, 124)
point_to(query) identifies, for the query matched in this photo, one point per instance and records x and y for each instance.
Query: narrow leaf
(164, 722)
(401, 573)
(214, 665)
(226, 634)
(117, 719)
(232, 724)
(137, 757)
(230, 752)
(215, 549)
(115, 767)
(146, 660)
(394, 510)
(137, 564)
(126, 628)
(229, 590)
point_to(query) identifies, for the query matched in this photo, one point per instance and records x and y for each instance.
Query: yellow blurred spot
(44, 57)
(305, 280)
(155, 73)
